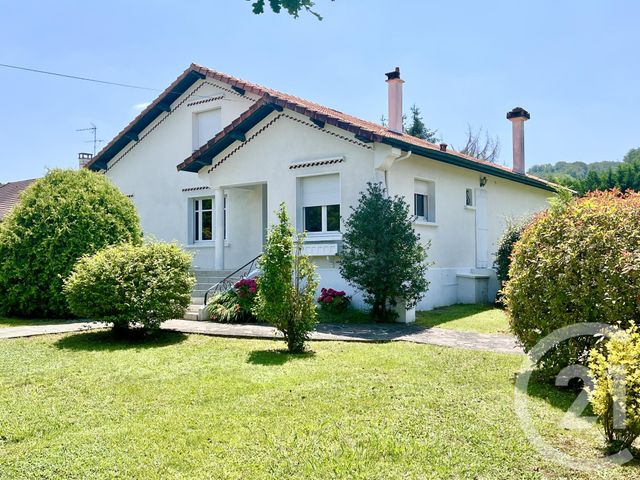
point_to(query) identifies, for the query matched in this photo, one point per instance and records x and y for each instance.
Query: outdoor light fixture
(483, 181)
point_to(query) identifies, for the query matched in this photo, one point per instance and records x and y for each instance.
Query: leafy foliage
(287, 285)
(584, 177)
(131, 285)
(615, 369)
(236, 304)
(511, 234)
(576, 263)
(417, 128)
(382, 254)
(334, 301)
(292, 7)
(60, 218)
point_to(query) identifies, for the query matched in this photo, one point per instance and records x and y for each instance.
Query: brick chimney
(395, 100)
(84, 158)
(518, 116)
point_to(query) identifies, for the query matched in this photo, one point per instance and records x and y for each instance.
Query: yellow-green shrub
(131, 285)
(575, 263)
(615, 369)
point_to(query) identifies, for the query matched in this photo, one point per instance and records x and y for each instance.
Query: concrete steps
(205, 279)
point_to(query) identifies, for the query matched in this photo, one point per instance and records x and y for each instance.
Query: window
(205, 126)
(424, 207)
(203, 221)
(469, 198)
(320, 198)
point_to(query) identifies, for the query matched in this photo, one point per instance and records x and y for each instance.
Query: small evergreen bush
(382, 255)
(511, 234)
(60, 218)
(287, 285)
(131, 286)
(576, 263)
(615, 397)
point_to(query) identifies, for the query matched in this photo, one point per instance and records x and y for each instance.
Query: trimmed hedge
(131, 285)
(512, 233)
(576, 263)
(60, 218)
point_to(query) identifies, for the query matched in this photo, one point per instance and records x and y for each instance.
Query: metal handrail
(226, 283)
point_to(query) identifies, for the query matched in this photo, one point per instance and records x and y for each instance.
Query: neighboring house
(242, 149)
(10, 195)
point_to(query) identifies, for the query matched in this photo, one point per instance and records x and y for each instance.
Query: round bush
(60, 218)
(131, 285)
(576, 263)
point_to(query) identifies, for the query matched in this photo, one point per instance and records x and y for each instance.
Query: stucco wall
(147, 169)
(286, 138)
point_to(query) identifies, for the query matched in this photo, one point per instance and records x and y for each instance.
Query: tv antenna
(95, 140)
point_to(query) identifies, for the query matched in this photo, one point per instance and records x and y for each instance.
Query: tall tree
(417, 128)
(292, 7)
(481, 146)
(382, 255)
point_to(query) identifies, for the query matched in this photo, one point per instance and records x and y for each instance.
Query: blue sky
(573, 64)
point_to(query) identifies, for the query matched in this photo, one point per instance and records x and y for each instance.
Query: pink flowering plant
(334, 301)
(236, 304)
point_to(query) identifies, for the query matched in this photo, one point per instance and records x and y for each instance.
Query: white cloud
(138, 107)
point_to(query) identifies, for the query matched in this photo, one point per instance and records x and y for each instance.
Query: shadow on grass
(560, 398)
(107, 341)
(276, 357)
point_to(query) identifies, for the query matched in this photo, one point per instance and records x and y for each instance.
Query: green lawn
(23, 322)
(469, 318)
(84, 406)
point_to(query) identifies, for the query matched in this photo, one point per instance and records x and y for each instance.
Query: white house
(241, 149)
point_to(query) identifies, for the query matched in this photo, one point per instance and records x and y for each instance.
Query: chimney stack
(518, 116)
(84, 158)
(395, 100)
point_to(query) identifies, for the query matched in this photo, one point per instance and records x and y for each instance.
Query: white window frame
(430, 205)
(467, 197)
(323, 221)
(324, 234)
(195, 236)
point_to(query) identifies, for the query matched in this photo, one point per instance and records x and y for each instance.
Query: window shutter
(320, 190)
(208, 125)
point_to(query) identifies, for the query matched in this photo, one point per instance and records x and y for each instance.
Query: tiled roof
(362, 128)
(369, 130)
(10, 194)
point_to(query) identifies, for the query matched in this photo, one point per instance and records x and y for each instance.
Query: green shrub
(131, 285)
(615, 397)
(287, 285)
(60, 218)
(236, 304)
(382, 255)
(511, 234)
(575, 263)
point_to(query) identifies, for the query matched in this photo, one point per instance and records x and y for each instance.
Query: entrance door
(482, 229)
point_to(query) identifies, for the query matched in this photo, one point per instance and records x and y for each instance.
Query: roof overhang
(131, 132)
(471, 165)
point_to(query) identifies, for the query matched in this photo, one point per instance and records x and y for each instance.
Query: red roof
(371, 130)
(10, 195)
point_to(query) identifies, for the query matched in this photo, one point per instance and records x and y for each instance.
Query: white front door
(482, 229)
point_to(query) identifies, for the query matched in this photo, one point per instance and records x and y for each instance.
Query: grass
(176, 406)
(470, 318)
(24, 322)
(351, 315)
